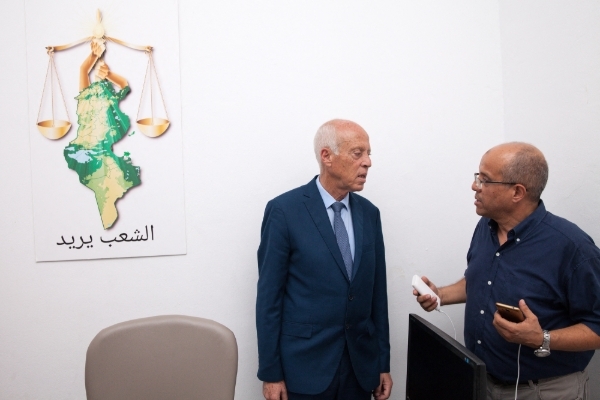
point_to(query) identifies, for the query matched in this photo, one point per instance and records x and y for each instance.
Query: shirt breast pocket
(532, 288)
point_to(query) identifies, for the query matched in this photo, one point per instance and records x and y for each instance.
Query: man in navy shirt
(521, 254)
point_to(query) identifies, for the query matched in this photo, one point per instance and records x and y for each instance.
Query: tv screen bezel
(479, 375)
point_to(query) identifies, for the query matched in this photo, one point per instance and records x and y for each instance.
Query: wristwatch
(544, 350)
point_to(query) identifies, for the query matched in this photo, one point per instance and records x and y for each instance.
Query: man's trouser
(567, 387)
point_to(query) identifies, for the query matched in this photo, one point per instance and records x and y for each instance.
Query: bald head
(522, 163)
(332, 133)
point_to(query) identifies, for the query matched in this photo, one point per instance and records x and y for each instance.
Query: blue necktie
(341, 234)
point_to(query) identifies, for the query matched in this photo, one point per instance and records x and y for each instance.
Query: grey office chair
(163, 357)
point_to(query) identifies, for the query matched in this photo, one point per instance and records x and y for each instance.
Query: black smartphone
(511, 313)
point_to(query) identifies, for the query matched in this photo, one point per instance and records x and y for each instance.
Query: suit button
(350, 297)
(347, 326)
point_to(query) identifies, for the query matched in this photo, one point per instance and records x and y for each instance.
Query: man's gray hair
(326, 137)
(529, 168)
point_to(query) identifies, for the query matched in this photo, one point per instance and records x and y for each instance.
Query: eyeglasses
(479, 183)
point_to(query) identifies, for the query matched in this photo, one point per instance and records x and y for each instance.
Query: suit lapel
(316, 209)
(357, 223)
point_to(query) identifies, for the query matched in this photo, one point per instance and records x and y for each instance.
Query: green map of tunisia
(101, 124)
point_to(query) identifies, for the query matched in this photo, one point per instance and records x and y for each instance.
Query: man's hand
(275, 390)
(528, 332)
(383, 391)
(425, 300)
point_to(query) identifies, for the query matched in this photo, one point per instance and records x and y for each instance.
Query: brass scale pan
(56, 129)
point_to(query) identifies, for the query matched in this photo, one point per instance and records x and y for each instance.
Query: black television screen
(439, 367)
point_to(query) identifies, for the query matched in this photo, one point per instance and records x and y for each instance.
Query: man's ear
(326, 154)
(520, 192)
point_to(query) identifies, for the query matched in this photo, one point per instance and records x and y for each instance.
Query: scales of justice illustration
(101, 123)
(55, 128)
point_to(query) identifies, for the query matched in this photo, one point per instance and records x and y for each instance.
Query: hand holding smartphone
(511, 313)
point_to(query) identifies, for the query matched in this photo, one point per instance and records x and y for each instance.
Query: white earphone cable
(440, 310)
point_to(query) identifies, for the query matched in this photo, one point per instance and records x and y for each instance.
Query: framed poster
(105, 129)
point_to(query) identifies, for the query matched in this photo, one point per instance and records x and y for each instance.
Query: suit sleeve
(380, 304)
(273, 255)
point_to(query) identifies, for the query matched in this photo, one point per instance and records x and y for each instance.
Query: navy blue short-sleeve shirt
(551, 264)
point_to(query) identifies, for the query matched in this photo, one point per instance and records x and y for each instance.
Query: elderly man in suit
(321, 306)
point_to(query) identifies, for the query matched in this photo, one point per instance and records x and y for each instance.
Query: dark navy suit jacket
(307, 308)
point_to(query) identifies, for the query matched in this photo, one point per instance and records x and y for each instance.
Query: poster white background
(62, 206)
(435, 83)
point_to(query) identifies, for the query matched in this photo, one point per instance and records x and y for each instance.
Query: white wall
(551, 72)
(423, 78)
(551, 82)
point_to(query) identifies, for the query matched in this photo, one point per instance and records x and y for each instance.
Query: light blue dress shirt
(346, 212)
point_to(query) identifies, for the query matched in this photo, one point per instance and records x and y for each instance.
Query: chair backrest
(163, 357)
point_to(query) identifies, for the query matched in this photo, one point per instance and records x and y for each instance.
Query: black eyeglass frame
(480, 185)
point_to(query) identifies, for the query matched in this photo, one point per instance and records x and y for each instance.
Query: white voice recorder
(422, 288)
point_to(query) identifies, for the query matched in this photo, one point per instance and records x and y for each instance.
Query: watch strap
(544, 349)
